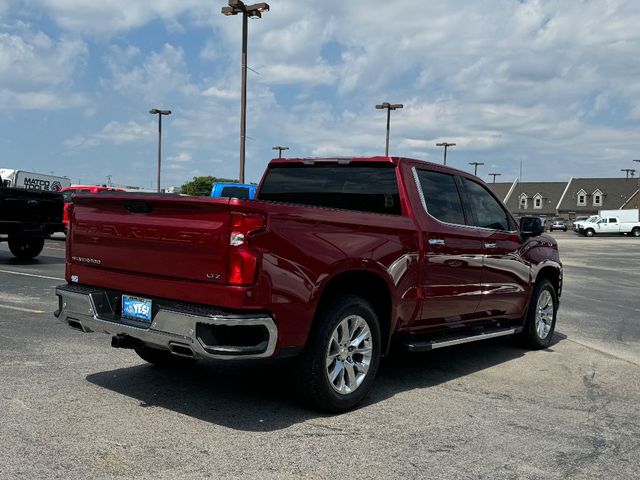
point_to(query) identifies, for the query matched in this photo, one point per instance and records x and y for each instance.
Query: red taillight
(243, 262)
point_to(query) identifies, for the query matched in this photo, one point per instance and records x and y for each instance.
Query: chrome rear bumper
(177, 327)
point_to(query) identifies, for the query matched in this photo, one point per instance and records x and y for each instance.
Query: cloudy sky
(554, 84)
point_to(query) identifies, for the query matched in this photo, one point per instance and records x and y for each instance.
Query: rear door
(505, 273)
(612, 226)
(452, 262)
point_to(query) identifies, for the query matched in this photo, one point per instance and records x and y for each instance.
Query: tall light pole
(638, 194)
(446, 145)
(254, 11)
(280, 149)
(388, 107)
(494, 175)
(475, 167)
(628, 171)
(160, 113)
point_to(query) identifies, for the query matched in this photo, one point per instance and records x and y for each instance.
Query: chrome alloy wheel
(544, 314)
(349, 354)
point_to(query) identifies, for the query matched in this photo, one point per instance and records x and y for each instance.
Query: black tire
(26, 248)
(530, 337)
(635, 232)
(589, 232)
(313, 379)
(163, 358)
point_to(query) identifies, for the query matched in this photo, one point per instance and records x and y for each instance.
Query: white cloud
(182, 157)
(111, 16)
(37, 71)
(35, 59)
(161, 75)
(114, 133)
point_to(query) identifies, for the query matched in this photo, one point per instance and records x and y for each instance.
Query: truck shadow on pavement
(261, 396)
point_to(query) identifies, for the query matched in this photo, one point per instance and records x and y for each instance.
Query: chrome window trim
(424, 205)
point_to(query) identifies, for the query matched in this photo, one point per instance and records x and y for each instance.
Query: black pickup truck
(27, 218)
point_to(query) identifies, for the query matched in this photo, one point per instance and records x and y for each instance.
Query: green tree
(201, 186)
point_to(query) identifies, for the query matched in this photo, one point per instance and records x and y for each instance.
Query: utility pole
(628, 171)
(494, 175)
(160, 113)
(280, 149)
(475, 167)
(388, 107)
(254, 11)
(638, 191)
(446, 145)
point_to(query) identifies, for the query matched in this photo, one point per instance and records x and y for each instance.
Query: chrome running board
(413, 346)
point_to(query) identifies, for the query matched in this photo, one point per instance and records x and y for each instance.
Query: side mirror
(531, 227)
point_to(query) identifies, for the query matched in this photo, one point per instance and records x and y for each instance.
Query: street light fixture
(388, 107)
(475, 165)
(254, 11)
(160, 113)
(494, 175)
(280, 149)
(445, 145)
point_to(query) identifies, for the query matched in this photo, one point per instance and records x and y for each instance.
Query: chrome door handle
(436, 241)
(490, 245)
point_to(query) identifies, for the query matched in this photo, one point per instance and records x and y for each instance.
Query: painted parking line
(31, 275)
(20, 309)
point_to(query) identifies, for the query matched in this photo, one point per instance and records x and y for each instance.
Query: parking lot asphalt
(73, 407)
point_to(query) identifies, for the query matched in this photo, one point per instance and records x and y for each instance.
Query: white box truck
(33, 181)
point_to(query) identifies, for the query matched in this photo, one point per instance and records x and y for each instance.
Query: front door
(505, 274)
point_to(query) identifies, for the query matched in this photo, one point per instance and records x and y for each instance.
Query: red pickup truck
(335, 261)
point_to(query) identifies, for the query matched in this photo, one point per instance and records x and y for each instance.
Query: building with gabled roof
(587, 196)
(535, 198)
(501, 189)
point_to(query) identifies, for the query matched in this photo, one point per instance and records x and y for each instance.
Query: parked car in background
(334, 262)
(69, 192)
(558, 224)
(242, 191)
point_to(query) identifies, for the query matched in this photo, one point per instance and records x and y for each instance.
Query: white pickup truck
(627, 222)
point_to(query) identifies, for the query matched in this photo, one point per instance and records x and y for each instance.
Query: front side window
(489, 212)
(441, 196)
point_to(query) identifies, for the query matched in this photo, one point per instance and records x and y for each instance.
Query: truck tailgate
(180, 238)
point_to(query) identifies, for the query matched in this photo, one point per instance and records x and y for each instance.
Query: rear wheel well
(367, 285)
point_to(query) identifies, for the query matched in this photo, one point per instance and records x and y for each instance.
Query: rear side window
(488, 211)
(235, 192)
(364, 187)
(441, 196)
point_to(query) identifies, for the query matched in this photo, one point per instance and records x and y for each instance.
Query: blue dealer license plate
(136, 308)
